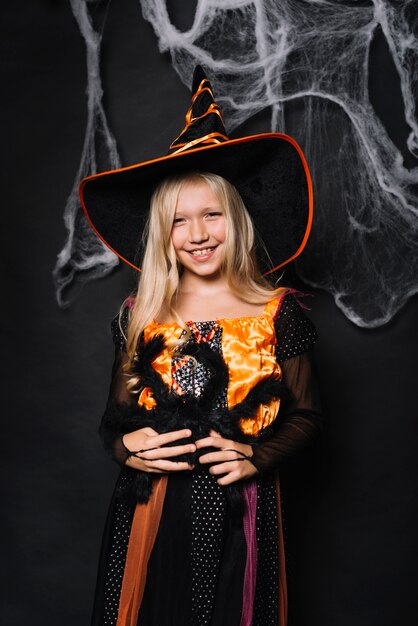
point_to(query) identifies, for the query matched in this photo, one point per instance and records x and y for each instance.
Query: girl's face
(199, 229)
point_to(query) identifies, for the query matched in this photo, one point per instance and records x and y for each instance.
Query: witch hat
(269, 171)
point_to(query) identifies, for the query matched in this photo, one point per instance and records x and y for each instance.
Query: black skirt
(196, 570)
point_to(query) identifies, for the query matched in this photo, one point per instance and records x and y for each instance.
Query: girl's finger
(228, 479)
(218, 457)
(213, 442)
(235, 472)
(163, 439)
(168, 466)
(142, 465)
(223, 468)
(168, 452)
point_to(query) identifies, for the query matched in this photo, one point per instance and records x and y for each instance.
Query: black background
(350, 501)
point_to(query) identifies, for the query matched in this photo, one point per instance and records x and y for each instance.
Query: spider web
(308, 63)
(83, 256)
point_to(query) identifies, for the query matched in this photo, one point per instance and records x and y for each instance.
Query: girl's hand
(149, 453)
(231, 464)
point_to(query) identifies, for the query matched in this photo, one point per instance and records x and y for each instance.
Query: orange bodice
(248, 348)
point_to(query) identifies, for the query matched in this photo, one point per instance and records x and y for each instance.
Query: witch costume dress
(179, 549)
(184, 557)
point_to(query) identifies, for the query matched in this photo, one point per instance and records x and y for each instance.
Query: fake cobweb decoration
(83, 256)
(265, 53)
(307, 62)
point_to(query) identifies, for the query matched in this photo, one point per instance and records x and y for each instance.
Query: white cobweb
(307, 61)
(267, 53)
(83, 256)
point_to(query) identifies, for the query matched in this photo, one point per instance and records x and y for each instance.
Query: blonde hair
(161, 272)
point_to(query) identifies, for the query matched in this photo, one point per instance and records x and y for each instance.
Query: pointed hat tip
(199, 74)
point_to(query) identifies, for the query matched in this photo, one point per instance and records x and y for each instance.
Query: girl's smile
(202, 252)
(199, 229)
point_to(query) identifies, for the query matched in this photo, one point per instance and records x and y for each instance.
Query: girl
(211, 387)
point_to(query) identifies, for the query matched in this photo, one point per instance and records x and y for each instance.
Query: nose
(198, 232)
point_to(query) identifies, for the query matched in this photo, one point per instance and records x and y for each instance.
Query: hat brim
(269, 170)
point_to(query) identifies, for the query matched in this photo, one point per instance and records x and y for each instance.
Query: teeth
(201, 252)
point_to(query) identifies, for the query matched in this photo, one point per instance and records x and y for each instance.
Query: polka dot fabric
(122, 521)
(265, 605)
(294, 331)
(208, 514)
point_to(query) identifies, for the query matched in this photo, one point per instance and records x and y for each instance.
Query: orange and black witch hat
(269, 170)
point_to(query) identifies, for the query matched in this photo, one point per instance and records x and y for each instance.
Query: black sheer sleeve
(301, 420)
(121, 404)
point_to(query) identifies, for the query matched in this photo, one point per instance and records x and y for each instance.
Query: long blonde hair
(161, 272)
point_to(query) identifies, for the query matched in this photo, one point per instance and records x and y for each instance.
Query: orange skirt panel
(141, 542)
(283, 603)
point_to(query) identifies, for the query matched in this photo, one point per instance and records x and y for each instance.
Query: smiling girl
(212, 386)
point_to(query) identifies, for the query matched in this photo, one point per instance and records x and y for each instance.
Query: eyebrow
(208, 208)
